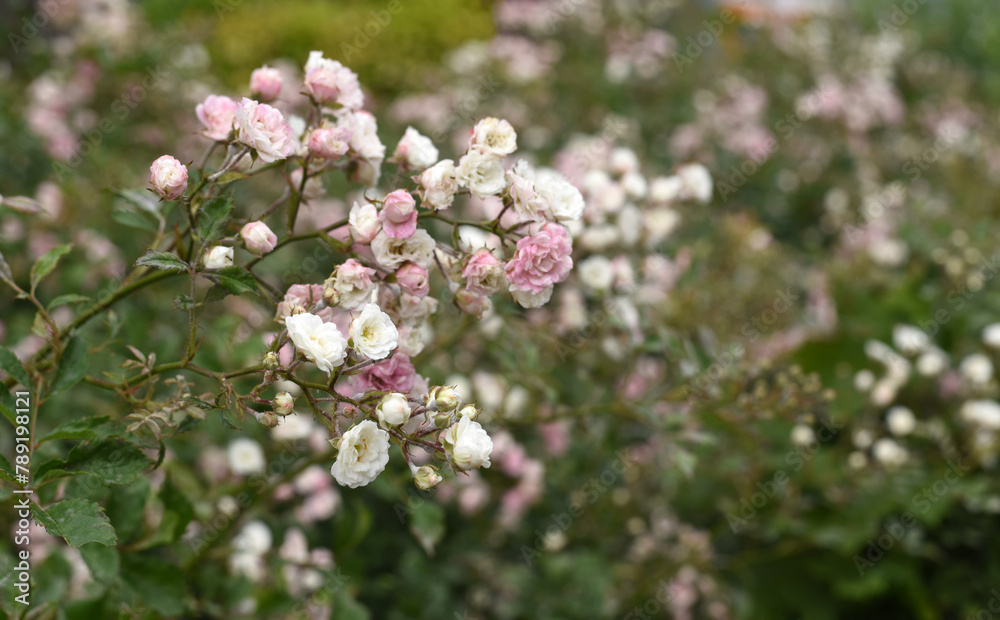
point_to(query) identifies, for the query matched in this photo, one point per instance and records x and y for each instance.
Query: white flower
(565, 202)
(373, 333)
(481, 172)
(415, 151)
(438, 185)
(864, 380)
(328, 81)
(245, 456)
(321, 343)
(470, 446)
(977, 368)
(528, 202)
(494, 136)
(415, 310)
(984, 413)
(218, 257)
(863, 438)
(663, 190)
(696, 182)
(264, 129)
(623, 160)
(910, 340)
(392, 252)
(803, 435)
(363, 454)
(254, 539)
(364, 134)
(888, 452)
(900, 421)
(527, 299)
(932, 362)
(294, 426)
(991, 335)
(394, 410)
(595, 272)
(364, 222)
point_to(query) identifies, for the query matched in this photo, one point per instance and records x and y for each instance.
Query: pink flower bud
(399, 215)
(472, 303)
(169, 177)
(265, 83)
(258, 238)
(329, 142)
(413, 279)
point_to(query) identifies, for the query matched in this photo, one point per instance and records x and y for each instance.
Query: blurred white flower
(977, 369)
(910, 340)
(900, 421)
(245, 456)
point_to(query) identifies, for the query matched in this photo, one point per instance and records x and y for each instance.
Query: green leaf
(44, 265)
(231, 176)
(427, 523)
(213, 216)
(235, 280)
(159, 584)
(134, 219)
(161, 260)
(6, 470)
(111, 461)
(79, 521)
(65, 300)
(84, 429)
(346, 608)
(7, 407)
(140, 198)
(102, 561)
(72, 367)
(179, 509)
(126, 508)
(6, 274)
(12, 366)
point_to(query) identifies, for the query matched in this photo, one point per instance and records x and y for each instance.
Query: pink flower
(483, 273)
(399, 215)
(169, 177)
(258, 238)
(413, 279)
(395, 374)
(541, 260)
(329, 142)
(264, 129)
(217, 114)
(472, 303)
(303, 296)
(266, 83)
(328, 81)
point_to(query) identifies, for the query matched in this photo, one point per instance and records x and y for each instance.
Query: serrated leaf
(44, 265)
(23, 204)
(84, 429)
(213, 216)
(103, 562)
(197, 402)
(64, 300)
(12, 366)
(159, 584)
(72, 366)
(79, 521)
(161, 260)
(109, 460)
(235, 279)
(6, 470)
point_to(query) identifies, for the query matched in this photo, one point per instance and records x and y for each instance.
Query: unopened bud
(283, 403)
(270, 361)
(444, 398)
(268, 419)
(442, 420)
(469, 411)
(426, 477)
(394, 410)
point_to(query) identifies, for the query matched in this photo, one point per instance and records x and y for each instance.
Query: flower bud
(270, 361)
(426, 477)
(283, 403)
(258, 238)
(413, 279)
(442, 420)
(445, 398)
(268, 419)
(265, 83)
(218, 257)
(169, 177)
(394, 410)
(469, 411)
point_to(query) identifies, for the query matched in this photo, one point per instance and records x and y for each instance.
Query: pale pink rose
(472, 303)
(399, 215)
(169, 177)
(413, 279)
(415, 151)
(266, 83)
(541, 260)
(217, 114)
(352, 283)
(328, 81)
(304, 296)
(258, 238)
(395, 374)
(264, 129)
(438, 185)
(484, 273)
(330, 142)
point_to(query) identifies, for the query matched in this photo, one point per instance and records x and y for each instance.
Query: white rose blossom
(415, 150)
(470, 446)
(565, 202)
(393, 410)
(495, 136)
(364, 223)
(373, 333)
(438, 185)
(392, 252)
(245, 456)
(362, 454)
(482, 172)
(696, 183)
(321, 343)
(218, 257)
